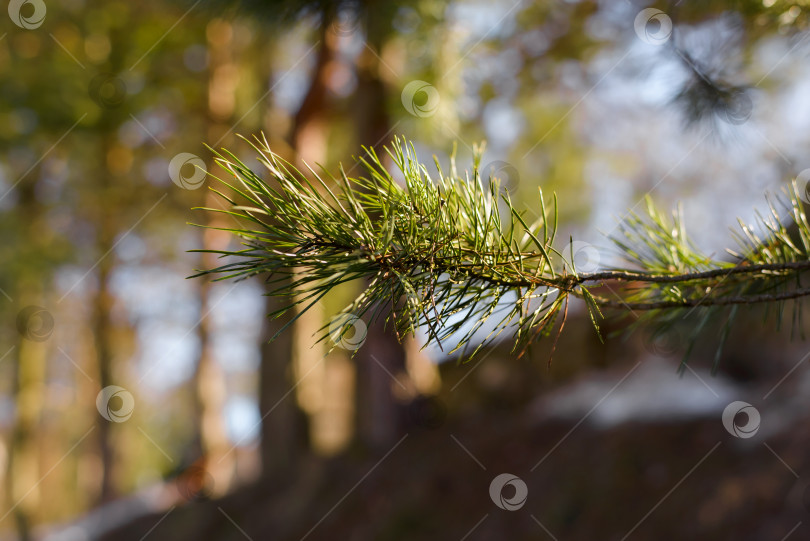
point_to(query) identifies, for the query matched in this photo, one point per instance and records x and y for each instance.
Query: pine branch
(449, 252)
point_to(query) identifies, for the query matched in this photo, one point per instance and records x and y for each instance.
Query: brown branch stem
(570, 282)
(703, 301)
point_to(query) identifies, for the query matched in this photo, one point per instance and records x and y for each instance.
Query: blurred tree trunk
(283, 424)
(381, 355)
(107, 193)
(23, 473)
(208, 383)
(310, 126)
(100, 323)
(24, 491)
(283, 428)
(293, 362)
(23, 463)
(380, 411)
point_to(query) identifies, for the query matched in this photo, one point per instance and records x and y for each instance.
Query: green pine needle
(451, 253)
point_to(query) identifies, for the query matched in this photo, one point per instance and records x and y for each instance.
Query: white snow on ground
(650, 391)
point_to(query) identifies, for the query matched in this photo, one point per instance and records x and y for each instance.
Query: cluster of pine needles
(449, 253)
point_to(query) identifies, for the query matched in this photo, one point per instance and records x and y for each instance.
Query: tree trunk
(100, 324)
(30, 358)
(380, 404)
(210, 392)
(23, 462)
(291, 365)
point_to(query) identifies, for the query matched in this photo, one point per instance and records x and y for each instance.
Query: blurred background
(137, 404)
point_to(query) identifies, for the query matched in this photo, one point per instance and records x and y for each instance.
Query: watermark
(653, 26)
(421, 99)
(737, 108)
(803, 185)
(346, 23)
(107, 90)
(514, 502)
(115, 404)
(28, 14)
(348, 331)
(806, 498)
(195, 484)
(663, 341)
(187, 171)
(584, 257)
(741, 428)
(35, 323)
(505, 173)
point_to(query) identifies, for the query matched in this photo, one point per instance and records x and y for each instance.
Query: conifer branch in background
(449, 251)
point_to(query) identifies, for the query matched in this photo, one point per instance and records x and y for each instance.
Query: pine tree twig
(756, 269)
(705, 301)
(451, 253)
(570, 282)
